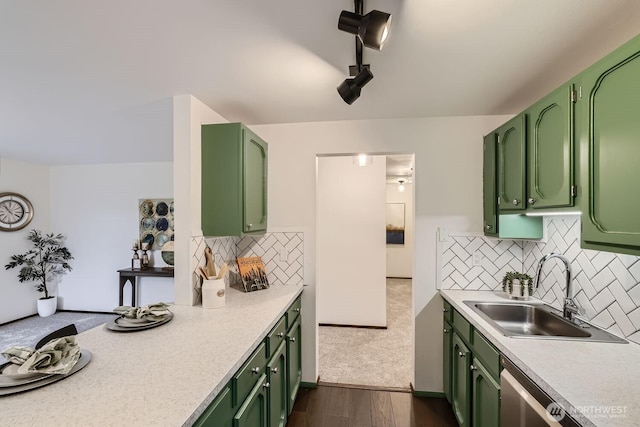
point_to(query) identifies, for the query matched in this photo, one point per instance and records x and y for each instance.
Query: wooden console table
(130, 274)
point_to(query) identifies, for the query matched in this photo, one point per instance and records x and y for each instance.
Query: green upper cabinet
(511, 164)
(551, 150)
(609, 113)
(234, 180)
(490, 200)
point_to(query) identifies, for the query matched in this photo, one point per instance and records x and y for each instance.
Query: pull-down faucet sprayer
(570, 308)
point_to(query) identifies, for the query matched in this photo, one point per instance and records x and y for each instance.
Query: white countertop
(165, 376)
(592, 377)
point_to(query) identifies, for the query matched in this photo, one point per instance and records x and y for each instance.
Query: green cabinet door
(277, 398)
(219, 413)
(253, 412)
(551, 150)
(461, 381)
(512, 164)
(489, 185)
(447, 333)
(294, 362)
(255, 183)
(486, 397)
(234, 181)
(611, 137)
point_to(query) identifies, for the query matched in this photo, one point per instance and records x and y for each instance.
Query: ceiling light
(401, 186)
(349, 89)
(372, 29)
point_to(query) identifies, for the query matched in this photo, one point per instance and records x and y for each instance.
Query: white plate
(117, 325)
(29, 384)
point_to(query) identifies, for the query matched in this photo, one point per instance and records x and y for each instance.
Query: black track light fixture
(350, 89)
(372, 29)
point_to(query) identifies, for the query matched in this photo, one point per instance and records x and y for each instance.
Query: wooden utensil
(210, 266)
(203, 273)
(223, 270)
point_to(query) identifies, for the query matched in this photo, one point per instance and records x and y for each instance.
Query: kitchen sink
(537, 320)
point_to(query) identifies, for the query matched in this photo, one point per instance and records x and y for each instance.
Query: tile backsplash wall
(458, 269)
(605, 285)
(281, 252)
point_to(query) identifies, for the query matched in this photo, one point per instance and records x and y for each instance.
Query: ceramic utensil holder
(213, 293)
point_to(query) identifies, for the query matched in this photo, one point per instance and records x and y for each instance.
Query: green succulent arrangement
(525, 280)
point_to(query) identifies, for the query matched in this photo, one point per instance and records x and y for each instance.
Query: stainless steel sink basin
(537, 320)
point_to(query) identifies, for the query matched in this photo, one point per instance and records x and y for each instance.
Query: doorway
(359, 349)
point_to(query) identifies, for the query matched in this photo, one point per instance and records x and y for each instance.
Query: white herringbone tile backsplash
(281, 252)
(605, 285)
(498, 257)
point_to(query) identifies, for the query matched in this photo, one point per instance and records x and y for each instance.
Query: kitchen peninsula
(162, 376)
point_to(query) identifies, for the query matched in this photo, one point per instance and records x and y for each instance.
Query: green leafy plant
(525, 280)
(44, 262)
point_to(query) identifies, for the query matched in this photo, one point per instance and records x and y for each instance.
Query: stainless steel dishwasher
(524, 404)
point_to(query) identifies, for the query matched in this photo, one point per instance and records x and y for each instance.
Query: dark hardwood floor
(328, 406)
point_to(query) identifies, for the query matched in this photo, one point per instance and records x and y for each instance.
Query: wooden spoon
(210, 266)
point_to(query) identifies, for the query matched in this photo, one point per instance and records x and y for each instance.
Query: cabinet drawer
(462, 327)
(293, 312)
(487, 353)
(447, 311)
(276, 336)
(247, 376)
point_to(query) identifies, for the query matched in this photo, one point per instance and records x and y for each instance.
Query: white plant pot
(46, 307)
(516, 292)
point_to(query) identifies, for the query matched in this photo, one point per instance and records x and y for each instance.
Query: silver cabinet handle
(473, 368)
(297, 310)
(266, 385)
(255, 370)
(445, 310)
(292, 339)
(516, 202)
(488, 227)
(249, 225)
(461, 354)
(532, 200)
(280, 335)
(445, 330)
(274, 370)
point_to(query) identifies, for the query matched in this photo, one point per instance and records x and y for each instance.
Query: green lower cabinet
(219, 413)
(447, 333)
(253, 412)
(294, 362)
(277, 398)
(485, 390)
(461, 381)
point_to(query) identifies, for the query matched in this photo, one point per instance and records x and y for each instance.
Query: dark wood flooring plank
(401, 404)
(339, 401)
(360, 410)
(381, 409)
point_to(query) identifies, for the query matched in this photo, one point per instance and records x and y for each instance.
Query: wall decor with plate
(156, 222)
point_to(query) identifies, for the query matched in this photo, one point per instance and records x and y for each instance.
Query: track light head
(372, 29)
(350, 89)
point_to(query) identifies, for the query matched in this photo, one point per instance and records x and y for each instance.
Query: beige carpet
(372, 357)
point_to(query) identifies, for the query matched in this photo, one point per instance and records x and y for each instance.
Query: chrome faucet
(570, 308)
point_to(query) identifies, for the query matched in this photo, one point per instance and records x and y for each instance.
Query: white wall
(351, 242)
(400, 257)
(17, 299)
(189, 114)
(96, 207)
(448, 193)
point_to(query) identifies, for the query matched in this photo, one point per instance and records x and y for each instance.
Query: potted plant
(517, 285)
(43, 263)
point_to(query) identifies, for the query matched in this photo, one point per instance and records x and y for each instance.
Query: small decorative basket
(517, 285)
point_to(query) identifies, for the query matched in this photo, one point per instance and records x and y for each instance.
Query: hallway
(372, 357)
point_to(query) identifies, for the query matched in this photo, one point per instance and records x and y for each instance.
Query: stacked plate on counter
(13, 382)
(126, 324)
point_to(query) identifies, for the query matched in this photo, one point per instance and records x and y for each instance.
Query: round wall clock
(16, 212)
